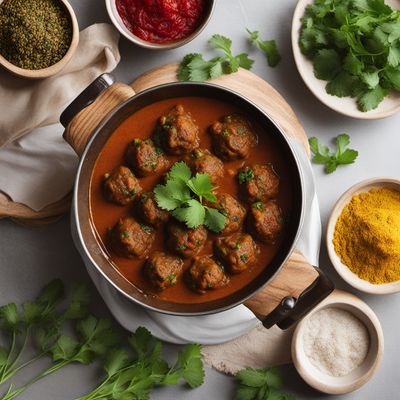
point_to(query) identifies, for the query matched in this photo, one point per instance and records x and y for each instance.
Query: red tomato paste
(161, 21)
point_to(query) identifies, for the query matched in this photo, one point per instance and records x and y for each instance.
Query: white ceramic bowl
(351, 278)
(119, 24)
(345, 105)
(362, 374)
(57, 67)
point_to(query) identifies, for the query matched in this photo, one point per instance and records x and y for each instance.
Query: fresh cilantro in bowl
(355, 46)
(183, 196)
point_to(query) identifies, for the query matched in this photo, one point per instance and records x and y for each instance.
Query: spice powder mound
(367, 235)
(34, 34)
(335, 341)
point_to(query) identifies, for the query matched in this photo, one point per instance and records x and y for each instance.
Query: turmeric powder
(367, 235)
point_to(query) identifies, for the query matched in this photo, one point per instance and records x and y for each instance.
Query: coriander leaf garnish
(202, 187)
(331, 160)
(180, 170)
(246, 175)
(268, 47)
(192, 213)
(214, 220)
(183, 195)
(194, 68)
(353, 45)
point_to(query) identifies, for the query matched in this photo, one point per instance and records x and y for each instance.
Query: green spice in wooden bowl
(34, 34)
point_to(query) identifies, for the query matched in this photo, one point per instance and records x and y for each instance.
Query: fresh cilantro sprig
(40, 320)
(355, 46)
(183, 195)
(260, 384)
(133, 367)
(268, 47)
(331, 160)
(133, 376)
(194, 68)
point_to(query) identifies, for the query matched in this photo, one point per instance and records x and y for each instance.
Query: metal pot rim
(94, 252)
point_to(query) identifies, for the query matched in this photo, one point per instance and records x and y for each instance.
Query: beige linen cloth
(259, 348)
(37, 166)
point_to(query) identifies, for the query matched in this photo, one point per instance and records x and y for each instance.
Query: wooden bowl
(351, 278)
(119, 24)
(362, 374)
(345, 105)
(57, 67)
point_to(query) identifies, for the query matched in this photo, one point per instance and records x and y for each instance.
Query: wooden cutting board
(244, 82)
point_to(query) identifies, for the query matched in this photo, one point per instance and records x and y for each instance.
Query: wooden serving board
(244, 82)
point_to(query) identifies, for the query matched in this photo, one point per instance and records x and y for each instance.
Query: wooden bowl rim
(338, 385)
(346, 274)
(157, 46)
(58, 66)
(340, 106)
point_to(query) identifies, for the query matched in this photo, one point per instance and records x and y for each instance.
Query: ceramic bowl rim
(357, 307)
(302, 62)
(117, 22)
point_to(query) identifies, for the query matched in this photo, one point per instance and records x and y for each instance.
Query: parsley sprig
(355, 45)
(331, 160)
(194, 68)
(260, 384)
(183, 195)
(268, 47)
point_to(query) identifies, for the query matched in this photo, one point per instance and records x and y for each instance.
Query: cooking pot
(287, 289)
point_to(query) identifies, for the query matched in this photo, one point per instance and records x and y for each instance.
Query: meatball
(237, 252)
(121, 186)
(131, 239)
(149, 212)
(184, 241)
(163, 270)
(203, 162)
(145, 158)
(232, 138)
(205, 274)
(177, 132)
(233, 211)
(265, 221)
(259, 182)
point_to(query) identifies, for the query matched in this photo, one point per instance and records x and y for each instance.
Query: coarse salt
(335, 341)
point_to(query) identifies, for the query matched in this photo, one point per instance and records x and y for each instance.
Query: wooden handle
(294, 278)
(81, 128)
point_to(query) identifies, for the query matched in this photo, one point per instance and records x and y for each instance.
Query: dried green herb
(34, 34)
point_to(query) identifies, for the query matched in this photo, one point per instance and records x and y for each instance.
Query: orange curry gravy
(141, 125)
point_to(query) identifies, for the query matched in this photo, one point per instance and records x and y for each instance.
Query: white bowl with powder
(338, 347)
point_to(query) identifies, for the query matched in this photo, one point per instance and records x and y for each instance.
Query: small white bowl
(119, 24)
(58, 66)
(345, 105)
(350, 277)
(362, 374)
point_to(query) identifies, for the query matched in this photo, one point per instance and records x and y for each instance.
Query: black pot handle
(291, 310)
(87, 97)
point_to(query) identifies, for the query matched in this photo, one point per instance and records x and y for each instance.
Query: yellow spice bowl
(351, 278)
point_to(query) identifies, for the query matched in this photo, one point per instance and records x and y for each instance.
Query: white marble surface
(30, 257)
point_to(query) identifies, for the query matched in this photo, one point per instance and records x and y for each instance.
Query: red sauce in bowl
(161, 21)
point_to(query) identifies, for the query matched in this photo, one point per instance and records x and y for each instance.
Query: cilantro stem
(15, 393)
(20, 352)
(10, 351)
